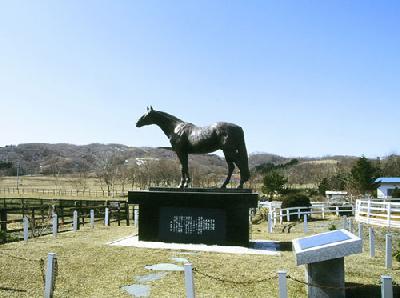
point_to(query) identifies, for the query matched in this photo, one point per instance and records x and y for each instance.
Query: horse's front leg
(182, 183)
(185, 179)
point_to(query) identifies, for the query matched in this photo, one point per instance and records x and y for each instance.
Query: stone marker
(92, 218)
(305, 227)
(136, 216)
(324, 256)
(75, 220)
(350, 225)
(371, 242)
(269, 223)
(26, 229)
(388, 250)
(55, 225)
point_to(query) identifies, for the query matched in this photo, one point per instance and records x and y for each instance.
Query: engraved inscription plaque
(192, 225)
(207, 216)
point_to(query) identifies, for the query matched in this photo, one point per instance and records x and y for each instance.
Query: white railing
(386, 214)
(316, 208)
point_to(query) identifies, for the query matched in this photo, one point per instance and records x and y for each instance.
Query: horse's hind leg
(231, 167)
(242, 164)
(242, 181)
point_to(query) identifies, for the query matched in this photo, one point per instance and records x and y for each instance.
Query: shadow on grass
(12, 289)
(370, 291)
(285, 246)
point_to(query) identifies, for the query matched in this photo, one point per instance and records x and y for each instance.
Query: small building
(336, 195)
(386, 186)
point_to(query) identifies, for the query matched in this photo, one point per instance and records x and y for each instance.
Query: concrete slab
(164, 267)
(260, 247)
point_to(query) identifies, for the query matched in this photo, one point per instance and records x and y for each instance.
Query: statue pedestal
(194, 215)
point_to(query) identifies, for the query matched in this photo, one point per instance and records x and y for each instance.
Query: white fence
(386, 214)
(321, 209)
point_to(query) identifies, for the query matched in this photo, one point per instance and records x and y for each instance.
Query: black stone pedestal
(194, 215)
(329, 275)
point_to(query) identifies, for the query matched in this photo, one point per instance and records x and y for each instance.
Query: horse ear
(151, 108)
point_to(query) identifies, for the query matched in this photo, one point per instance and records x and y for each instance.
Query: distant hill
(36, 158)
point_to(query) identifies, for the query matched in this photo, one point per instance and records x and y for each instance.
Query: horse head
(147, 118)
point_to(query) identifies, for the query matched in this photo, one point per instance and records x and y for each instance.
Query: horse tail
(243, 159)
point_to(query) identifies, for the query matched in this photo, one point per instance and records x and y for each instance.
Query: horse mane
(169, 116)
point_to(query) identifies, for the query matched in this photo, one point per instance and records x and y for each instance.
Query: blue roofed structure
(388, 180)
(386, 187)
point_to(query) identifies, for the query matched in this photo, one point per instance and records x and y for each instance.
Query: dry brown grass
(90, 268)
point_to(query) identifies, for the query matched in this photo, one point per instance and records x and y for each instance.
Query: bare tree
(108, 168)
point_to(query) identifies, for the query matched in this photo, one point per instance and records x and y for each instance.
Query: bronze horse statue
(187, 138)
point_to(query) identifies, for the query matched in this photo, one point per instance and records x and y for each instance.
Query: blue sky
(303, 78)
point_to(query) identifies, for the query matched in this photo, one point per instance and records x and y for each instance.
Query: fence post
(75, 221)
(280, 216)
(62, 213)
(55, 225)
(42, 210)
(323, 212)
(82, 212)
(282, 284)
(274, 217)
(337, 211)
(369, 210)
(189, 284)
(50, 275)
(371, 243)
(127, 213)
(345, 222)
(389, 213)
(305, 227)
(388, 255)
(287, 215)
(119, 214)
(3, 219)
(106, 220)
(386, 286)
(269, 223)
(298, 213)
(26, 229)
(92, 218)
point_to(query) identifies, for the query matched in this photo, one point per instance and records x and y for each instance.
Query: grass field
(66, 186)
(48, 182)
(90, 268)
(69, 186)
